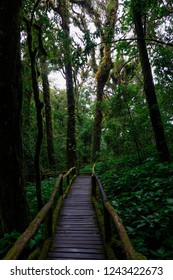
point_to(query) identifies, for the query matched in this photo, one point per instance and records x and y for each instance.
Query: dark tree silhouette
(13, 206)
(149, 89)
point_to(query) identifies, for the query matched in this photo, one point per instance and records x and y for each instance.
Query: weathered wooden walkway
(77, 235)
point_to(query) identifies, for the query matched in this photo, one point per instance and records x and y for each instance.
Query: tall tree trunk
(155, 116)
(103, 71)
(13, 205)
(39, 107)
(71, 137)
(102, 77)
(48, 113)
(26, 133)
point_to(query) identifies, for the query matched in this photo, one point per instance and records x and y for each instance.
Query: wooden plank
(82, 245)
(69, 223)
(78, 241)
(75, 224)
(72, 256)
(93, 231)
(77, 228)
(81, 230)
(85, 212)
(68, 220)
(78, 250)
(74, 234)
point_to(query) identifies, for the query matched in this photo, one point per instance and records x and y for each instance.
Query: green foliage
(86, 169)
(162, 61)
(89, 43)
(126, 127)
(59, 110)
(143, 197)
(37, 239)
(7, 241)
(9, 238)
(46, 186)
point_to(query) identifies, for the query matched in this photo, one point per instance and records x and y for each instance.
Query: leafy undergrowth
(7, 242)
(9, 238)
(143, 197)
(46, 187)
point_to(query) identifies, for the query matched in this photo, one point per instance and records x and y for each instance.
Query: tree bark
(39, 107)
(48, 113)
(103, 71)
(13, 205)
(102, 77)
(149, 89)
(71, 135)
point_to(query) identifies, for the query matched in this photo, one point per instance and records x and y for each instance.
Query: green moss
(45, 249)
(56, 213)
(108, 248)
(99, 215)
(139, 256)
(35, 254)
(105, 65)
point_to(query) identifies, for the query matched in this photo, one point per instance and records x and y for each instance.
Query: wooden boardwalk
(77, 235)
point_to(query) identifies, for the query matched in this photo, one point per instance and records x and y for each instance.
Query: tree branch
(40, 42)
(146, 39)
(34, 9)
(167, 8)
(153, 40)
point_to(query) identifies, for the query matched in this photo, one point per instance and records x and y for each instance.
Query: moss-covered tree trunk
(71, 135)
(48, 113)
(102, 74)
(13, 205)
(149, 89)
(101, 77)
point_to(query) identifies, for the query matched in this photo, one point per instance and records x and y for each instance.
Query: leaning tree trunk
(39, 107)
(13, 205)
(155, 116)
(71, 135)
(48, 113)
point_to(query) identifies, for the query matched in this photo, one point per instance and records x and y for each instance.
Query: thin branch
(167, 8)
(126, 62)
(40, 42)
(146, 39)
(34, 9)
